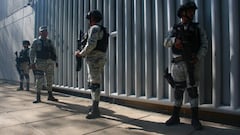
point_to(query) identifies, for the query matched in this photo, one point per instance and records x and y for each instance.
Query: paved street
(19, 116)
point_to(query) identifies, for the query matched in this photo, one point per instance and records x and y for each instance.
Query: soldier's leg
(39, 74)
(33, 71)
(44, 86)
(94, 72)
(49, 78)
(179, 77)
(193, 94)
(26, 75)
(95, 95)
(178, 96)
(27, 81)
(21, 81)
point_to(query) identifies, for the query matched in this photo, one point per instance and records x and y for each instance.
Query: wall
(17, 24)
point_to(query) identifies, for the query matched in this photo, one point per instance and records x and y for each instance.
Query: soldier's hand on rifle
(194, 60)
(178, 44)
(77, 53)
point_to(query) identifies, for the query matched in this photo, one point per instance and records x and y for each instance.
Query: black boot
(21, 87)
(94, 111)
(174, 119)
(195, 121)
(38, 99)
(27, 89)
(51, 97)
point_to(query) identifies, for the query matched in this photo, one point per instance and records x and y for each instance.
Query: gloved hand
(77, 53)
(178, 44)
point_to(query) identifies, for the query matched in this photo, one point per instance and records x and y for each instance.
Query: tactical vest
(46, 51)
(189, 35)
(24, 55)
(102, 44)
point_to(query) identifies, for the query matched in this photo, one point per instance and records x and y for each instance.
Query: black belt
(177, 59)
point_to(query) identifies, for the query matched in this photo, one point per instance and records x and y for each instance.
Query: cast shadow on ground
(137, 124)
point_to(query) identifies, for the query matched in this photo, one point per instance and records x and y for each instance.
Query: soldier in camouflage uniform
(189, 45)
(23, 61)
(95, 60)
(42, 59)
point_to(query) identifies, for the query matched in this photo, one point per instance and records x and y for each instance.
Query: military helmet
(191, 4)
(25, 42)
(180, 10)
(43, 28)
(186, 6)
(95, 14)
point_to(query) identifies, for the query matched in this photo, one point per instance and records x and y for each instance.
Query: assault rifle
(190, 44)
(186, 38)
(81, 42)
(169, 78)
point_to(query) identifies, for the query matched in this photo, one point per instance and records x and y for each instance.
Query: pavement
(19, 116)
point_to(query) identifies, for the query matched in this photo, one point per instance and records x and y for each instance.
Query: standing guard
(42, 59)
(189, 45)
(23, 65)
(95, 53)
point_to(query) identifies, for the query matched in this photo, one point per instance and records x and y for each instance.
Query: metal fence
(136, 56)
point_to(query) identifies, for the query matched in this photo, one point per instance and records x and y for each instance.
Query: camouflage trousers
(44, 68)
(24, 72)
(180, 74)
(95, 66)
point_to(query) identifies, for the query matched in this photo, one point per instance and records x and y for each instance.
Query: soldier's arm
(92, 40)
(53, 48)
(169, 41)
(204, 44)
(32, 52)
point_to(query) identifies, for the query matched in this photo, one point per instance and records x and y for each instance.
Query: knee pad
(192, 92)
(178, 94)
(94, 86)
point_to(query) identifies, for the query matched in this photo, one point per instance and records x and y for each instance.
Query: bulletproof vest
(46, 51)
(189, 35)
(24, 55)
(102, 44)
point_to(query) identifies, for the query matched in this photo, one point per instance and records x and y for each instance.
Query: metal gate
(136, 56)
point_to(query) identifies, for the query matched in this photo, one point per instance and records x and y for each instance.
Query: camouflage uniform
(95, 60)
(24, 62)
(179, 69)
(186, 61)
(43, 57)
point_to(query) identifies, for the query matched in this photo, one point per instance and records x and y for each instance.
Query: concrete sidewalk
(19, 116)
